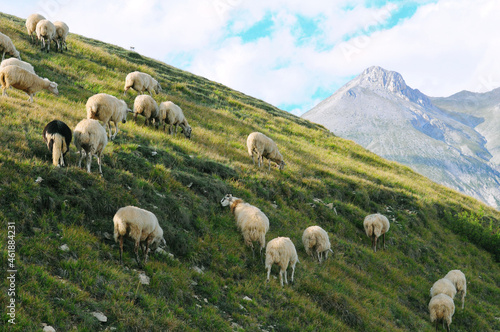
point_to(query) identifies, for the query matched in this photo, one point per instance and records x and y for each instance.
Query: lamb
(443, 286)
(376, 225)
(263, 146)
(141, 82)
(316, 242)
(147, 106)
(31, 23)
(16, 62)
(457, 278)
(19, 78)
(174, 116)
(107, 108)
(90, 137)
(57, 135)
(6, 46)
(62, 31)
(45, 32)
(281, 251)
(142, 226)
(441, 308)
(250, 220)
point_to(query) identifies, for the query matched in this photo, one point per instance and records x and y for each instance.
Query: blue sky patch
(261, 29)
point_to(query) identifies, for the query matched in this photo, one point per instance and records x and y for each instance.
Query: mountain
(454, 141)
(68, 265)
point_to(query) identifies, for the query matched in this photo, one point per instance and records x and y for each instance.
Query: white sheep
(443, 286)
(376, 225)
(140, 225)
(45, 32)
(107, 108)
(16, 62)
(174, 116)
(62, 31)
(263, 146)
(31, 23)
(57, 135)
(458, 279)
(141, 82)
(6, 46)
(21, 79)
(316, 242)
(250, 220)
(441, 308)
(282, 252)
(90, 139)
(147, 106)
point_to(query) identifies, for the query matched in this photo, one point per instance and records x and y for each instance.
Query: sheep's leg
(89, 161)
(99, 162)
(463, 298)
(374, 243)
(116, 129)
(3, 55)
(121, 249)
(80, 161)
(268, 273)
(281, 278)
(147, 251)
(284, 273)
(383, 238)
(136, 251)
(30, 98)
(293, 272)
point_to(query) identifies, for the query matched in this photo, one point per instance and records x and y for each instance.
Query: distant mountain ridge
(454, 141)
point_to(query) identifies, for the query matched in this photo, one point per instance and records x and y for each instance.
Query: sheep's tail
(57, 149)
(93, 112)
(3, 82)
(120, 227)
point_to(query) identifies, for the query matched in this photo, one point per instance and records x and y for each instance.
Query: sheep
(263, 146)
(31, 23)
(142, 226)
(443, 286)
(21, 79)
(6, 46)
(376, 225)
(457, 278)
(62, 31)
(107, 108)
(141, 82)
(316, 242)
(441, 308)
(45, 32)
(281, 251)
(57, 135)
(250, 220)
(174, 116)
(16, 62)
(90, 137)
(147, 106)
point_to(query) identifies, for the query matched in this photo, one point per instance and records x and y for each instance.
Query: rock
(197, 270)
(64, 247)
(100, 316)
(160, 251)
(236, 326)
(37, 230)
(39, 179)
(108, 236)
(190, 185)
(246, 298)
(48, 328)
(154, 153)
(144, 279)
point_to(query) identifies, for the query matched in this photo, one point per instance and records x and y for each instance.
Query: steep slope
(433, 229)
(379, 111)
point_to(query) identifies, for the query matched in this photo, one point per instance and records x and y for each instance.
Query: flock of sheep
(142, 226)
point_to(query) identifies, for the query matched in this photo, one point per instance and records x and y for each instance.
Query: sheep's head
(187, 131)
(158, 88)
(53, 88)
(226, 200)
(281, 165)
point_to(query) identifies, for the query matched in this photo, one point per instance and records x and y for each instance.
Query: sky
(295, 53)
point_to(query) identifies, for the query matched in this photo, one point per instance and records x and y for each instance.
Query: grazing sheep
(376, 225)
(263, 146)
(281, 251)
(316, 242)
(21, 79)
(443, 286)
(174, 116)
(141, 82)
(251, 221)
(31, 23)
(441, 308)
(57, 135)
(107, 108)
(6, 46)
(45, 32)
(142, 226)
(147, 106)
(457, 278)
(62, 31)
(90, 137)
(16, 62)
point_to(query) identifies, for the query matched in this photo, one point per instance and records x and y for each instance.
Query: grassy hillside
(433, 229)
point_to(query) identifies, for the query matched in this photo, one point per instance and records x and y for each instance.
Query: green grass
(433, 229)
